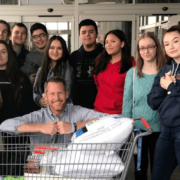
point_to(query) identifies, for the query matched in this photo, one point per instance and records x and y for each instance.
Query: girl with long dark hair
(16, 100)
(110, 72)
(55, 63)
(15, 87)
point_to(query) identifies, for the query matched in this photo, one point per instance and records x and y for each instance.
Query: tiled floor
(130, 176)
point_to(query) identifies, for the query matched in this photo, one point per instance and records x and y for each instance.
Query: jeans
(148, 149)
(167, 153)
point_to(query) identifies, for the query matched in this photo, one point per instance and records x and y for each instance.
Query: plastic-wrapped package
(82, 165)
(106, 130)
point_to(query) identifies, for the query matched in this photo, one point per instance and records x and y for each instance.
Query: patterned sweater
(32, 62)
(142, 87)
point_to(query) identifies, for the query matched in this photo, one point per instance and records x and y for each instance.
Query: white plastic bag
(107, 130)
(83, 165)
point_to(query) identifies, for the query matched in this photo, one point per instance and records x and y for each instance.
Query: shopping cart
(47, 161)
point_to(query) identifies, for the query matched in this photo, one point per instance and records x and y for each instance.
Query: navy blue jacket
(167, 102)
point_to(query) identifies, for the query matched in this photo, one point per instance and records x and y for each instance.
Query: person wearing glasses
(18, 38)
(4, 30)
(33, 61)
(149, 61)
(55, 63)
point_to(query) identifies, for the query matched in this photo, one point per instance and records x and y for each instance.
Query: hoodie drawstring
(173, 70)
(176, 69)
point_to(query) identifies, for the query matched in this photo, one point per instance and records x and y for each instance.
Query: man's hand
(49, 128)
(43, 102)
(32, 78)
(166, 80)
(64, 127)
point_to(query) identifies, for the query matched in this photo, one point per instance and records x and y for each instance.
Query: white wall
(41, 2)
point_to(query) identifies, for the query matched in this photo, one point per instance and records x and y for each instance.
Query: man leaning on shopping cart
(57, 122)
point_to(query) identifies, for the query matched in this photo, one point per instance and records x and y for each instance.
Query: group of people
(93, 81)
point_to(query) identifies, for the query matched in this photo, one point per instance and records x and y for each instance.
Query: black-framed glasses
(149, 48)
(42, 35)
(4, 31)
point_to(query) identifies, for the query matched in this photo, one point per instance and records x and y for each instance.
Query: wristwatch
(75, 127)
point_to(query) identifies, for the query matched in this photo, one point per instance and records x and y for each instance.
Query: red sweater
(110, 85)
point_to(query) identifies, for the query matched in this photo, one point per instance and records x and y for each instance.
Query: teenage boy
(4, 30)
(18, 38)
(83, 60)
(34, 59)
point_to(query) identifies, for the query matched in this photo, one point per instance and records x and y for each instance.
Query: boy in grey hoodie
(34, 59)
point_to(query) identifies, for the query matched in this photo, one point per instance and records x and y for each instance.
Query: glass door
(55, 26)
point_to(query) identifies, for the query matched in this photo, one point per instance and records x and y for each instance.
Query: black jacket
(10, 109)
(21, 57)
(84, 89)
(167, 102)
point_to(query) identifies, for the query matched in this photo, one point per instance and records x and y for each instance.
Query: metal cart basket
(21, 159)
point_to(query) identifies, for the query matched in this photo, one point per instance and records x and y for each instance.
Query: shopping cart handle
(145, 124)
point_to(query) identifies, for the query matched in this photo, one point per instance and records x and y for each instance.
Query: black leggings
(148, 149)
